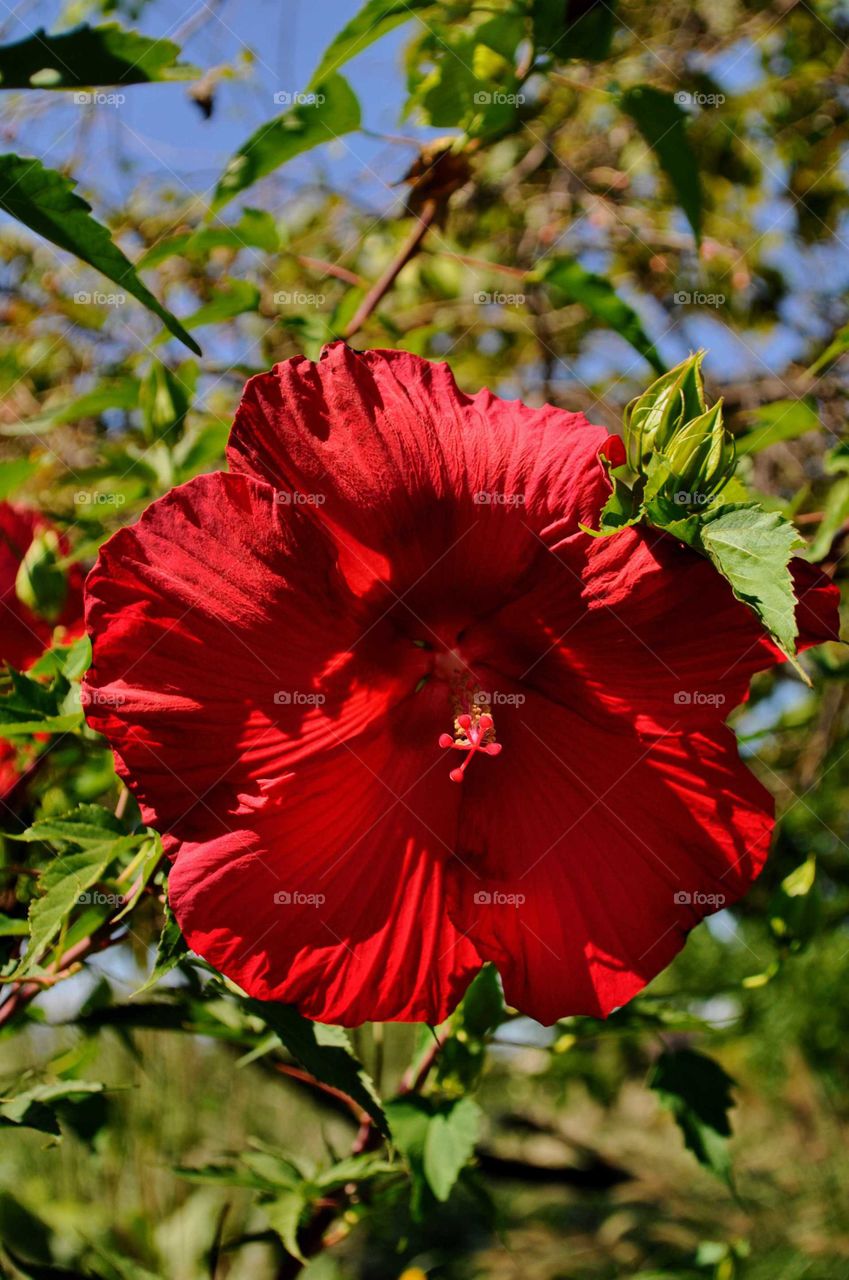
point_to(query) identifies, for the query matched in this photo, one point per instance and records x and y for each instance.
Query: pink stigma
(471, 741)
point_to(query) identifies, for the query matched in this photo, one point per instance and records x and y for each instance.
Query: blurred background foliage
(561, 197)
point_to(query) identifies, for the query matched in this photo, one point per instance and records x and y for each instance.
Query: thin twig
(408, 250)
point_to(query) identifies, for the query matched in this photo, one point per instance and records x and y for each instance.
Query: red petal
(613, 450)
(23, 635)
(597, 849)
(216, 601)
(224, 649)
(334, 897)
(641, 626)
(435, 492)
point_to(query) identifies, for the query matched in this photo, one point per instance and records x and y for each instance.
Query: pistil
(472, 736)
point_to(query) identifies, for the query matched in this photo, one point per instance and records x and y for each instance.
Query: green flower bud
(655, 417)
(164, 402)
(701, 459)
(41, 584)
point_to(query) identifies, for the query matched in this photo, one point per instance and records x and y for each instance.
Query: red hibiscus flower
(397, 715)
(24, 635)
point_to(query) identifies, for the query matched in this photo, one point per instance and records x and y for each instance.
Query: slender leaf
(663, 124)
(323, 1051)
(45, 201)
(781, 420)
(89, 55)
(375, 19)
(569, 280)
(328, 111)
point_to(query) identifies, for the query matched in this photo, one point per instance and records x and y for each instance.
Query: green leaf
(164, 401)
(482, 1009)
(450, 1144)
(375, 19)
(663, 124)
(353, 1169)
(284, 1214)
(574, 29)
(567, 278)
(838, 346)
(36, 1108)
(256, 229)
(44, 201)
(698, 1093)
(752, 549)
(324, 1051)
(835, 512)
(89, 56)
(170, 950)
(95, 839)
(87, 825)
(33, 707)
(330, 110)
(120, 394)
(235, 298)
(64, 886)
(13, 927)
(15, 473)
(781, 420)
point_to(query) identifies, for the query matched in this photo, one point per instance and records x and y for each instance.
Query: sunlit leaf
(375, 19)
(45, 201)
(571, 282)
(781, 420)
(328, 111)
(752, 549)
(663, 124)
(105, 55)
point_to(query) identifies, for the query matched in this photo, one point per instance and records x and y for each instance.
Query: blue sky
(272, 47)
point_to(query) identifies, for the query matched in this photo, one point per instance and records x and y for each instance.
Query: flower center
(470, 735)
(474, 727)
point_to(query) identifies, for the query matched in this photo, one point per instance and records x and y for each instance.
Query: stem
(30, 988)
(312, 1235)
(330, 269)
(381, 287)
